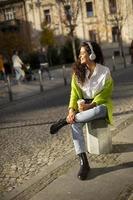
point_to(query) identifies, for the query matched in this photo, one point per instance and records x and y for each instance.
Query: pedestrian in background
(131, 51)
(90, 99)
(17, 65)
(7, 65)
(2, 69)
(44, 65)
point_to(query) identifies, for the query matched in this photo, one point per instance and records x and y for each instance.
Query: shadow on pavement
(123, 113)
(56, 97)
(100, 171)
(121, 148)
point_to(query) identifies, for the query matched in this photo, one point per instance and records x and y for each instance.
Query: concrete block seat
(98, 135)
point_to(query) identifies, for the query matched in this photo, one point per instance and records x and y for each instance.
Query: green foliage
(33, 60)
(67, 52)
(53, 56)
(56, 55)
(47, 37)
(10, 41)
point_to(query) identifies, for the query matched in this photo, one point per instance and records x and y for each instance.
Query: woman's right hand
(71, 116)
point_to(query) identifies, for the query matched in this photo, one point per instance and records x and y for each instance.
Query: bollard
(9, 89)
(114, 64)
(99, 140)
(40, 79)
(64, 75)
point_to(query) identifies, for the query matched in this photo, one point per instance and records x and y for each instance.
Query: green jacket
(104, 97)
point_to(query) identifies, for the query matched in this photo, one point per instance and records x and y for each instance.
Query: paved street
(25, 143)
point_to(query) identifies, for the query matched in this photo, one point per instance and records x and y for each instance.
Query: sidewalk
(31, 88)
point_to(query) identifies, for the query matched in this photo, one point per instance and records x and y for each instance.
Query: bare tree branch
(70, 10)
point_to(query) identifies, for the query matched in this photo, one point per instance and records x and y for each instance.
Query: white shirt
(17, 62)
(93, 85)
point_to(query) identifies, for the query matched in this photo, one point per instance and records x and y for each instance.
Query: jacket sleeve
(105, 94)
(76, 94)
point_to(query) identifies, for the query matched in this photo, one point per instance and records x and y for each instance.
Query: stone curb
(50, 173)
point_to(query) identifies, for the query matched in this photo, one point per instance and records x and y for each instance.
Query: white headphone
(92, 56)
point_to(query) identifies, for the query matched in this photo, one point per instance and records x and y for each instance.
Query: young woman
(17, 65)
(92, 82)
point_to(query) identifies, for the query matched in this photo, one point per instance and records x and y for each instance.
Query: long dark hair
(80, 69)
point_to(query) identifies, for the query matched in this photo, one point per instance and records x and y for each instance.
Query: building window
(112, 6)
(9, 14)
(89, 9)
(92, 35)
(47, 16)
(115, 34)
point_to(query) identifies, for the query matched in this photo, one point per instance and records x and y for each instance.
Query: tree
(118, 20)
(70, 11)
(47, 40)
(12, 40)
(47, 37)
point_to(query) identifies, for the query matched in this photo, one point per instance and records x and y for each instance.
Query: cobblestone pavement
(127, 193)
(25, 143)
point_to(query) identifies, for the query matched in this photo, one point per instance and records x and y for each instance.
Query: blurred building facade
(96, 20)
(13, 19)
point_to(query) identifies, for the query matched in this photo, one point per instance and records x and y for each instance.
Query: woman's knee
(101, 110)
(76, 126)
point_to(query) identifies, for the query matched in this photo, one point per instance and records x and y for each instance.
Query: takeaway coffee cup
(79, 102)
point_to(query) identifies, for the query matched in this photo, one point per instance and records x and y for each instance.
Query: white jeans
(81, 118)
(45, 68)
(19, 73)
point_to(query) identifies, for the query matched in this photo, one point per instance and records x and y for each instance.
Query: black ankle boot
(58, 125)
(84, 167)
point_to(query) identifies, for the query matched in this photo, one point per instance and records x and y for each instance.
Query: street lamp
(71, 11)
(69, 16)
(38, 5)
(68, 13)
